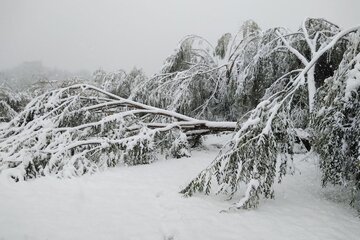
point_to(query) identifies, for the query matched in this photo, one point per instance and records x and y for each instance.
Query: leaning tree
(266, 137)
(336, 121)
(199, 79)
(188, 82)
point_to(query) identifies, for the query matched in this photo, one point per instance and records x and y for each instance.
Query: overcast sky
(113, 34)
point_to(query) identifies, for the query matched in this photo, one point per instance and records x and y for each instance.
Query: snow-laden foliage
(119, 82)
(6, 111)
(188, 83)
(10, 103)
(229, 80)
(42, 86)
(261, 61)
(254, 153)
(14, 101)
(81, 129)
(336, 123)
(195, 80)
(265, 139)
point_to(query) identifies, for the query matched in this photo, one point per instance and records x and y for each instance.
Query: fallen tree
(81, 129)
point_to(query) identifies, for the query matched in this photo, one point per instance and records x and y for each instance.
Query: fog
(113, 34)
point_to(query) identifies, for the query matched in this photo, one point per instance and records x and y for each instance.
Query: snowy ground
(142, 202)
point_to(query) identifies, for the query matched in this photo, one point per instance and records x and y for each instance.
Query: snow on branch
(265, 139)
(82, 129)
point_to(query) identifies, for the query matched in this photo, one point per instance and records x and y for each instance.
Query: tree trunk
(311, 87)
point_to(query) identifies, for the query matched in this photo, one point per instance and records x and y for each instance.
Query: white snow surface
(142, 202)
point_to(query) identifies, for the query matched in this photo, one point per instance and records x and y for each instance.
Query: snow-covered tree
(336, 123)
(266, 134)
(196, 79)
(188, 82)
(11, 103)
(119, 82)
(81, 129)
